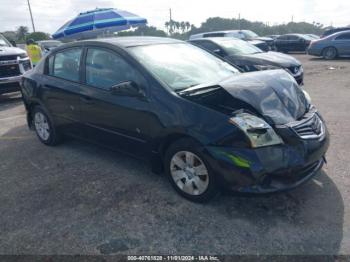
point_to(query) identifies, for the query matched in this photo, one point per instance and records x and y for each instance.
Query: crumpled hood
(274, 94)
(267, 58)
(5, 50)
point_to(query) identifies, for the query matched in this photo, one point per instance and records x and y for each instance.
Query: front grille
(8, 57)
(9, 70)
(312, 127)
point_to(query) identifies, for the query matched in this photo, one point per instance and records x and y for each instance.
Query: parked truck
(14, 62)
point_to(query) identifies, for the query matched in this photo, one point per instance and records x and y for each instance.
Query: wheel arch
(330, 46)
(30, 105)
(160, 148)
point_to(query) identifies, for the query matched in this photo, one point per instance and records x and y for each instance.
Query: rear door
(119, 122)
(61, 87)
(282, 43)
(294, 43)
(342, 43)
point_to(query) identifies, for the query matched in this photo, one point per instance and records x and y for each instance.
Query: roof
(217, 39)
(340, 33)
(128, 41)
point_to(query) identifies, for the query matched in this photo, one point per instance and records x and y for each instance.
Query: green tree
(144, 31)
(22, 32)
(38, 36)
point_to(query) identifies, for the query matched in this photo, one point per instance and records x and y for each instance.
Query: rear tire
(329, 53)
(44, 127)
(189, 172)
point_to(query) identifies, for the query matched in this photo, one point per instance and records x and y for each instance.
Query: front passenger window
(105, 69)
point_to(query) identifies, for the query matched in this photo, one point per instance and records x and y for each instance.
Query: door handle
(86, 100)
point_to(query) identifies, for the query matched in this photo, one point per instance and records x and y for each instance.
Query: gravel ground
(81, 199)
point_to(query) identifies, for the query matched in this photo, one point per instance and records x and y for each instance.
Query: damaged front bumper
(269, 169)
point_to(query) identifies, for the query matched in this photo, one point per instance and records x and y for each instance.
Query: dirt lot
(81, 199)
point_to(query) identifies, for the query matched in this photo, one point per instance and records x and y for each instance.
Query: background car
(190, 113)
(48, 45)
(292, 43)
(272, 36)
(330, 47)
(313, 36)
(264, 43)
(250, 58)
(334, 30)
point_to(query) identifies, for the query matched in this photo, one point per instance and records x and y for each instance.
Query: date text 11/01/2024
(173, 258)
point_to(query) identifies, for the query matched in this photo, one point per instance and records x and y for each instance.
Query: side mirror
(13, 43)
(127, 88)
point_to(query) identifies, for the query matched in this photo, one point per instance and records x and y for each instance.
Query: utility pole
(170, 22)
(31, 15)
(239, 21)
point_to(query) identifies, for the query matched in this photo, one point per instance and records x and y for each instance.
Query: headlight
(256, 129)
(295, 71)
(307, 96)
(22, 56)
(266, 67)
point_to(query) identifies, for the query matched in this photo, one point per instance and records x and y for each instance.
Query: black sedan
(250, 58)
(292, 43)
(191, 114)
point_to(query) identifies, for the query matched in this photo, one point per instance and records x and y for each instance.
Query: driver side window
(105, 69)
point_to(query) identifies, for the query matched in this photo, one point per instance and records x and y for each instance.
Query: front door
(119, 122)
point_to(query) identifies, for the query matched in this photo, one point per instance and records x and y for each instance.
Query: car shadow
(98, 201)
(10, 100)
(320, 59)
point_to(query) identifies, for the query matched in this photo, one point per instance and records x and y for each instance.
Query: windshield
(238, 47)
(308, 37)
(250, 34)
(4, 42)
(182, 65)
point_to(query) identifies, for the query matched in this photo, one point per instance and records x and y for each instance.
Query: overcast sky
(49, 15)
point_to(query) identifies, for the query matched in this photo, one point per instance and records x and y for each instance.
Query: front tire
(44, 127)
(329, 53)
(189, 172)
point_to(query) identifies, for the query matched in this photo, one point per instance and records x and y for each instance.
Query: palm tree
(188, 25)
(183, 26)
(22, 32)
(167, 26)
(176, 25)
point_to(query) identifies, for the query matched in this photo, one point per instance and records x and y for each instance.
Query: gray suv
(14, 62)
(333, 46)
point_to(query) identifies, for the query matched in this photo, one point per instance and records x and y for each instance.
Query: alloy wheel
(330, 53)
(189, 173)
(42, 126)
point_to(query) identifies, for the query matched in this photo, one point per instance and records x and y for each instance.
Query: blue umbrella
(98, 22)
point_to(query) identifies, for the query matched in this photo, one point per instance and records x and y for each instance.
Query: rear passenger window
(214, 35)
(105, 69)
(343, 37)
(207, 45)
(293, 37)
(66, 64)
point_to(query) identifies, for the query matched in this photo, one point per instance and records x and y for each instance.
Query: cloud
(49, 15)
